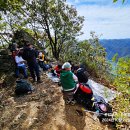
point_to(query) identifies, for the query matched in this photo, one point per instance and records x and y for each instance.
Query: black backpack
(83, 96)
(82, 75)
(23, 87)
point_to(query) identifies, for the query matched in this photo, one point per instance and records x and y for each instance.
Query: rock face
(6, 61)
(21, 36)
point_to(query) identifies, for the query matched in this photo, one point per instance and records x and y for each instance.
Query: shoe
(70, 101)
(39, 81)
(73, 102)
(67, 101)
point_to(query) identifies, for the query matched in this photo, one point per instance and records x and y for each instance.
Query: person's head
(59, 66)
(29, 45)
(40, 53)
(66, 66)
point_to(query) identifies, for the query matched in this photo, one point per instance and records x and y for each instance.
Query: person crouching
(68, 82)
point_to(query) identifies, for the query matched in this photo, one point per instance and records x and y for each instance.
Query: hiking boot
(70, 101)
(73, 102)
(67, 101)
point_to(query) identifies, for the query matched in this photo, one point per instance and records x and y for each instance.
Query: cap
(66, 65)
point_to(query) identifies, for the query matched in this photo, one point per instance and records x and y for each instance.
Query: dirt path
(43, 110)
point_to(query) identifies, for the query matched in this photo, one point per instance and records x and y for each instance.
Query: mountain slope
(113, 46)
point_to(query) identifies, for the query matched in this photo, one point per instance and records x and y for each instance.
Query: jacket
(29, 55)
(67, 81)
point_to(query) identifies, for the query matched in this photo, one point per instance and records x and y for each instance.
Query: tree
(48, 19)
(60, 21)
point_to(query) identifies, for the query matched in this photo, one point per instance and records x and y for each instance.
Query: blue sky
(109, 20)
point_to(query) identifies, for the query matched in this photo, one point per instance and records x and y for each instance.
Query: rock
(10, 101)
(3, 52)
(48, 101)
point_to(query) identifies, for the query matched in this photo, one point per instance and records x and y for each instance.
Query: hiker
(68, 82)
(14, 50)
(20, 65)
(41, 61)
(29, 54)
(57, 70)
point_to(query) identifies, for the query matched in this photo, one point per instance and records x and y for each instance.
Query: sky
(109, 20)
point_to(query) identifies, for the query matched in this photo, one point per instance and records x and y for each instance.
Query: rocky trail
(44, 109)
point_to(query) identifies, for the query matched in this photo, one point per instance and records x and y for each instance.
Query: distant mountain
(113, 46)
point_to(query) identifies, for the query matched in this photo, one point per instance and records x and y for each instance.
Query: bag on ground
(23, 87)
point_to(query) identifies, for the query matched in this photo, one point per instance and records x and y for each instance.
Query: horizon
(107, 19)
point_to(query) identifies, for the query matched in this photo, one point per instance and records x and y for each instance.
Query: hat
(66, 65)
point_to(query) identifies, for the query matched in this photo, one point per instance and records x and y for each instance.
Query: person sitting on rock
(57, 69)
(41, 61)
(68, 82)
(20, 65)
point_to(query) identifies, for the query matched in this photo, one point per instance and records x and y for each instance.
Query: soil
(44, 109)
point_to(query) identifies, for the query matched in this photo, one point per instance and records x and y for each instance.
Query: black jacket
(29, 55)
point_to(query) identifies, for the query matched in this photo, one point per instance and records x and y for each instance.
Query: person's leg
(36, 68)
(40, 64)
(31, 69)
(69, 97)
(17, 71)
(24, 71)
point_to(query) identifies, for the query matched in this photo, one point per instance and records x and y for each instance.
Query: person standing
(30, 55)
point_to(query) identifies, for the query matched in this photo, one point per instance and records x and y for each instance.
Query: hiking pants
(34, 70)
(23, 68)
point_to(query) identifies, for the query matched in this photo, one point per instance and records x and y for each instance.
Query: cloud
(111, 21)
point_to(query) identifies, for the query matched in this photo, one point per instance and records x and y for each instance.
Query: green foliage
(122, 83)
(88, 52)
(7, 5)
(117, 0)
(122, 80)
(52, 21)
(114, 59)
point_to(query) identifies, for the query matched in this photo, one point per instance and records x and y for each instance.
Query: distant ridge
(113, 46)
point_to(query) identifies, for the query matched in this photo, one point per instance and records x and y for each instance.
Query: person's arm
(43, 57)
(19, 59)
(16, 59)
(75, 78)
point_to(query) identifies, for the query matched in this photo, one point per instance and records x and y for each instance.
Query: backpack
(82, 75)
(83, 96)
(23, 87)
(103, 108)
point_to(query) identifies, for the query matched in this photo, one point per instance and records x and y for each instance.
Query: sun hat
(66, 65)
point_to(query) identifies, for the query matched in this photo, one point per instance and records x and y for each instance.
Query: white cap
(66, 65)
